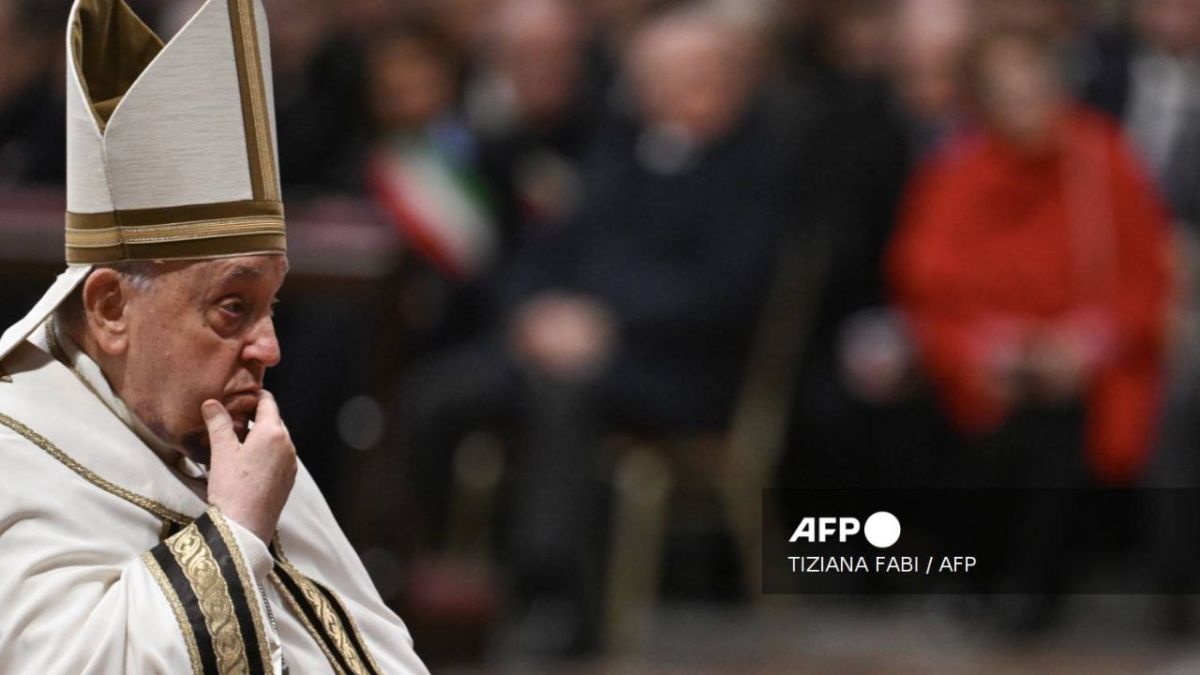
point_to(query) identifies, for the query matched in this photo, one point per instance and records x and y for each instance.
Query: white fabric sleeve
(69, 605)
(259, 561)
(254, 551)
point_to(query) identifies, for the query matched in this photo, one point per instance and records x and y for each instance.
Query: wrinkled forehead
(264, 268)
(683, 44)
(200, 277)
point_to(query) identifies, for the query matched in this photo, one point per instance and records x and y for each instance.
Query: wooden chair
(737, 465)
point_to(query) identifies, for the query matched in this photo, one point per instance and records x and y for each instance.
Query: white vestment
(111, 563)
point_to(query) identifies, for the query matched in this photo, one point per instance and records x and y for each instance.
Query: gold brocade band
(181, 250)
(180, 232)
(202, 567)
(248, 583)
(177, 608)
(161, 234)
(203, 573)
(324, 617)
(173, 215)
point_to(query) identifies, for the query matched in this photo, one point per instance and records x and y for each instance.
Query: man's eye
(235, 309)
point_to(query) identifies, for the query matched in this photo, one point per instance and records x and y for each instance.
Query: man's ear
(105, 304)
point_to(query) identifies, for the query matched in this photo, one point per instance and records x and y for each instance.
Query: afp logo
(882, 530)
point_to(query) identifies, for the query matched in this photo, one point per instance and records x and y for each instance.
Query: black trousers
(554, 514)
(1034, 467)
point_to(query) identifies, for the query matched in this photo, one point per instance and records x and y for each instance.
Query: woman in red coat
(1031, 265)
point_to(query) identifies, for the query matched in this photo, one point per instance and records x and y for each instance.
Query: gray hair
(139, 274)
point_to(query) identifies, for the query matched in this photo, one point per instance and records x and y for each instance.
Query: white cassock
(112, 562)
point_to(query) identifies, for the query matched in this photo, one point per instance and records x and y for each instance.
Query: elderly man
(155, 517)
(634, 315)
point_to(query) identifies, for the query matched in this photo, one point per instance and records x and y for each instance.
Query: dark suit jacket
(681, 258)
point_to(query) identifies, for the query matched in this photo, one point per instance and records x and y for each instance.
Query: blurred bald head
(1053, 18)
(1172, 26)
(929, 40)
(539, 51)
(693, 70)
(543, 20)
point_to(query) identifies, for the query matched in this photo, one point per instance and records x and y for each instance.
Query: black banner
(981, 541)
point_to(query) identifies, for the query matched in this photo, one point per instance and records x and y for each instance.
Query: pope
(155, 517)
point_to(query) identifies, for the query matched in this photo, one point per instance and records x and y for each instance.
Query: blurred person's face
(1019, 93)
(24, 53)
(197, 331)
(611, 13)
(541, 57)
(927, 81)
(465, 20)
(692, 76)
(929, 38)
(411, 85)
(1170, 25)
(297, 28)
(363, 15)
(860, 40)
(1035, 15)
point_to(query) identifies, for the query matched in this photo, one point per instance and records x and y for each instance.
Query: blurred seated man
(1031, 263)
(634, 315)
(534, 112)
(854, 406)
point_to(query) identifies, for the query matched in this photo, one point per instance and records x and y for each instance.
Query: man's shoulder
(23, 378)
(60, 446)
(28, 402)
(25, 405)
(42, 491)
(37, 472)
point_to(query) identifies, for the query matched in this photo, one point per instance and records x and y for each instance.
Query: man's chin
(196, 447)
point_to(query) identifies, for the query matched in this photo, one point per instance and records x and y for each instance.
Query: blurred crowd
(995, 201)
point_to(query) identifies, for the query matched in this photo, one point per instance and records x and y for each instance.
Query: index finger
(220, 427)
(268, 409)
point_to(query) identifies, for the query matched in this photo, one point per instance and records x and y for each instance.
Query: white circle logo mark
(882, 530)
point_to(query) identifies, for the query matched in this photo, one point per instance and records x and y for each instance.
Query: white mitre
(170, 148)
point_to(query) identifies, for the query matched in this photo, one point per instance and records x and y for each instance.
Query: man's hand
(564, 335)
(250, 482)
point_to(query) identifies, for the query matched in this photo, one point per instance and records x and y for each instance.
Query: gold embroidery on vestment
(203, 573)
(185, 626)
(248, 583)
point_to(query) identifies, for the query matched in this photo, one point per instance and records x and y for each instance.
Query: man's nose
(264, 345)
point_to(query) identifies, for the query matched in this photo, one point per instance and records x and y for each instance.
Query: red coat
(995, 244)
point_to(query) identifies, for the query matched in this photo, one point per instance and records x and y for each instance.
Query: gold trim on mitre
(251, 80)
(195, 231)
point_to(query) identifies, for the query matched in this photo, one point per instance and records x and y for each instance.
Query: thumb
(221, 436)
